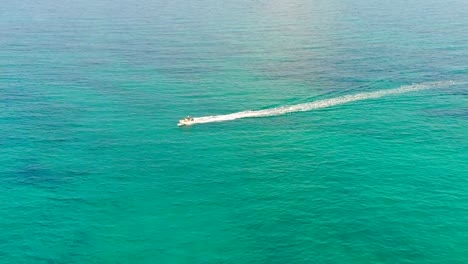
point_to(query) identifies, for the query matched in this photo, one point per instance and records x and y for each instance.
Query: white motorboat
(186, 121)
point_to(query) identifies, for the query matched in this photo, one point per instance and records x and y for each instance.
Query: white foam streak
(321, 103)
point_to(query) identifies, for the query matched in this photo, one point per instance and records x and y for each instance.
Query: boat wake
(321, 103)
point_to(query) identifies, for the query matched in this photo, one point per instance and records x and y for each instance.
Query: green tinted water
(94, 169)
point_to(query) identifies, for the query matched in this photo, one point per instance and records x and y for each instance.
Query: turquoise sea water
(93, 168)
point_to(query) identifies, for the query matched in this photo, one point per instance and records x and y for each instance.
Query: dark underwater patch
(35, 174)
(43, 177)
(457, 113)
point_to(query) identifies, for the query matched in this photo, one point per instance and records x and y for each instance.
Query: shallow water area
(328, 131)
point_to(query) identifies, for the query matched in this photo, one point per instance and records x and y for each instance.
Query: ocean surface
(328, 131)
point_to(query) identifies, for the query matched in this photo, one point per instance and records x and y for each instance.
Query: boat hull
(185, 123)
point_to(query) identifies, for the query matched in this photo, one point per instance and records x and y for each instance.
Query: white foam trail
(321, 103)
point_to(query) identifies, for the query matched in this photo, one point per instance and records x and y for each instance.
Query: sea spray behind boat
(322, 103)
